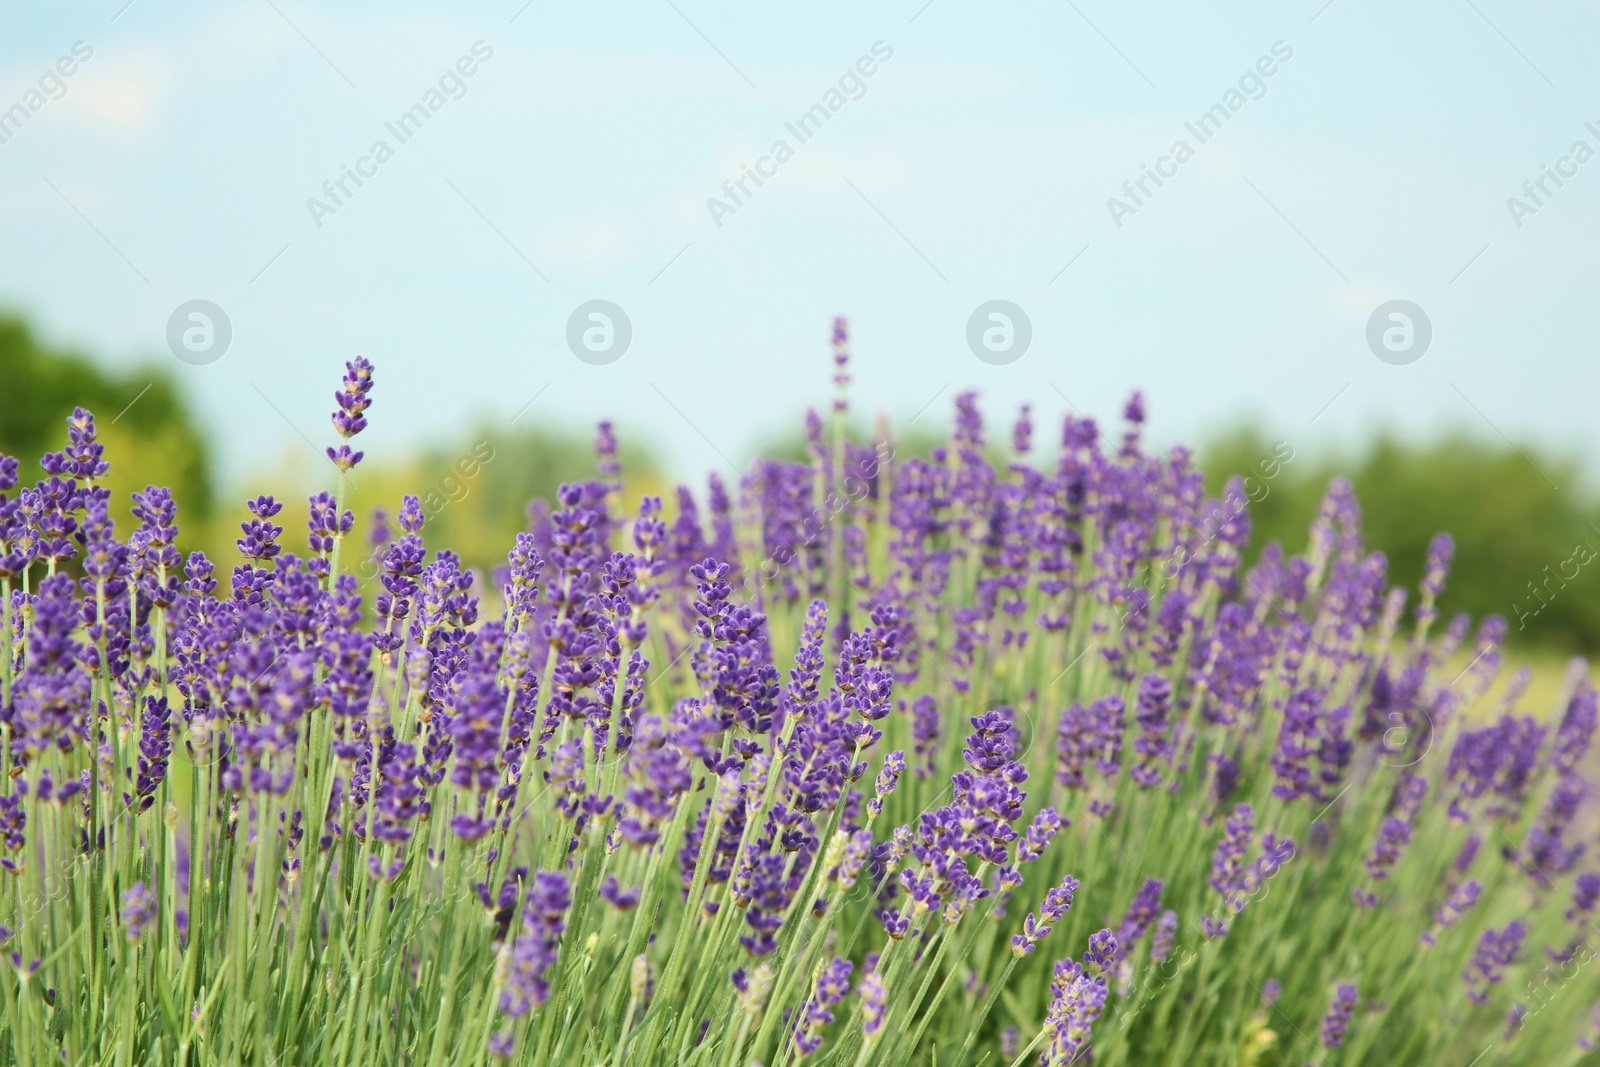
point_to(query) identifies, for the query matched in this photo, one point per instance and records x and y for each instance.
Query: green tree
(151, 437)
(1524, 548)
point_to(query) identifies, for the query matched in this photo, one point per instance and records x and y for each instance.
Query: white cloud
(120, 103)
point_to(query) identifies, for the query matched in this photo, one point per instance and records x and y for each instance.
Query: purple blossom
(1033, 843)
(1057, 900)
(1153, 746)
(1575, 730)
(1077, 998)
(1161, 941)
(525, 959)
(831, 986)
(1141, 912)
(925, 733)
(1440, 551)
(874, 1003)
(1297, 744)
(1455, 905)
(1491, 768)
(138, 911)
(1495, 952)
(1337, 1020)
(613, 893)
(1585, 893)
(1228, 860)
(1076, 743)
(349, 418)
(1394, 834)
(1102, 950)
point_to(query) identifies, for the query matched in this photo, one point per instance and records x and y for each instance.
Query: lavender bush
(882, 760)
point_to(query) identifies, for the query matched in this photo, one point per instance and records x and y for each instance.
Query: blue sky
(1375, 163)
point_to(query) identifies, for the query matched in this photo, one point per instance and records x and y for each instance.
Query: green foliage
(143, 419)
(1523, 547)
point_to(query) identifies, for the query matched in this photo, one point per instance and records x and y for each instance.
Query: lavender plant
(882, 761)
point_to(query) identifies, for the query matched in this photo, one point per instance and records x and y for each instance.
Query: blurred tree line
(1524, 549)
(142, 418)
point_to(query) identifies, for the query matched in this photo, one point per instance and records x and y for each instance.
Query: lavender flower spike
(1056, 902)
(1076, 1001)
(138, 911)
(350, 418)
(1495, 952)
(1337, 1020)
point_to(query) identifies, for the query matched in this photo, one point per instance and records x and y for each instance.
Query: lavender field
(862, 759)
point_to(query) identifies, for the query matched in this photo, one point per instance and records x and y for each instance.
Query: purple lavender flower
(1394, 834)
(1076, 741)
(138, 911)
(1495, 952)
(1044, 826)
(350, 418)
(1585, 893)
(260, 541)
(1224, 778)
(1107, 717)
(605, 451)
(1076, 1000)
(1455, 905)
(155, 745)
(925, 733)
(1590, 1038)
(841, 353)
(1467, 854)
(525, 959)
(1161, 941)
(874, 1003)
(805, 678)
(84, 454)
(51, 696)
(1575, 730)
(1492, 768)
(1337, 1020)
(1057, 900)
(857, 851)
(538, 718)
(1153, 746)
(475, 733)
(613, 893)
(1440, 551)
(832, 985)
(13, 827)
(1022, 431)
(1297, 744)
(1140, 914)
(1010, 1043)
(894, 765)
(1228, 860)
(1546, 853)
(1102, 950)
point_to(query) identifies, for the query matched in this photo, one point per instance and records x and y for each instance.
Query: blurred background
(1218, 207)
